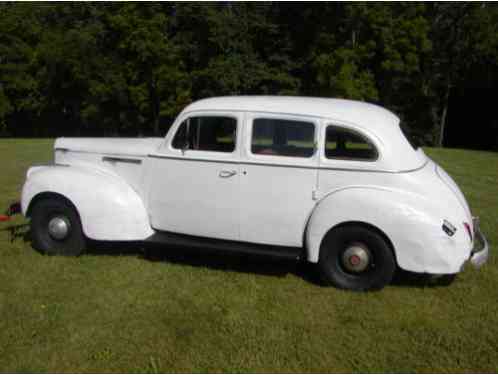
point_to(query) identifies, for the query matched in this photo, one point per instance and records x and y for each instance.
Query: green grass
(112, 312)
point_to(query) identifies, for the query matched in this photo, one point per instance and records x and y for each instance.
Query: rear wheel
(356, 258)
(56, 228)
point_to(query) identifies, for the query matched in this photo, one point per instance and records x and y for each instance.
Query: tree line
(128, 68)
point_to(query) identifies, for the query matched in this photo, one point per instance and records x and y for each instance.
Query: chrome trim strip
(250, 162)
(121, 160)
(375, 170)
(52, 164)
(101, 153)
(228, 161)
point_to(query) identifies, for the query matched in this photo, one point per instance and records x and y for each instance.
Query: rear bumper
(480, 252)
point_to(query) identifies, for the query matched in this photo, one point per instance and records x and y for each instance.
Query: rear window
(342, 143)
(280, 137)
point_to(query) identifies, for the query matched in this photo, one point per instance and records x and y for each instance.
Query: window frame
(275, 157)
(190, 115)
(356, 132)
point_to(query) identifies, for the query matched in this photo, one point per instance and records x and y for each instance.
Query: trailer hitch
(13, 209)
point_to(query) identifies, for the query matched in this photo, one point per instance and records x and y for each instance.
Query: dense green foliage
(118, 309)
(125, 68)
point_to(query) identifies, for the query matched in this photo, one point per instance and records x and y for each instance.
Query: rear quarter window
(347, 144)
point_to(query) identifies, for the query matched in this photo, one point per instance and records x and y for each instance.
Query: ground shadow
(17, 232)
(256, 264)
(219, 260)
(421, 280)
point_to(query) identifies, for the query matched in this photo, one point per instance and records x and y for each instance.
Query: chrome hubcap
(356, 257)
(58, 227)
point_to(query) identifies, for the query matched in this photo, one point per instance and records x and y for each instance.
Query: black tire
(42, 213)
(381, 262)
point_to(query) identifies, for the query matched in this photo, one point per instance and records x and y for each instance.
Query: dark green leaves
(125, 68)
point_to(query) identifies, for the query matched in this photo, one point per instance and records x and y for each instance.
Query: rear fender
(411, 223)
(108, 207)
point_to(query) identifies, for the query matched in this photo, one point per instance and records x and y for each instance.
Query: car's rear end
(450, 234)
(479, 250)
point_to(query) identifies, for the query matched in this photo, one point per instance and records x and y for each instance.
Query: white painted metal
(109, 146)
(196, 192)
(409, 208)
(382, 124)
(108, 207)
(276, 192)
(124, 188)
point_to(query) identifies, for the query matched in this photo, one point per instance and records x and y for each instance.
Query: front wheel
(356, 258)
(56, 228)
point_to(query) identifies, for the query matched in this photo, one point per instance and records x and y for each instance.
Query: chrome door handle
(225, 174)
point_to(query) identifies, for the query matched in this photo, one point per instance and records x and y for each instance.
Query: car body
(266, 174)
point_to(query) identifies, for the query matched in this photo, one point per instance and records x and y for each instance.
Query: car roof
(396, 153)
(361, 113)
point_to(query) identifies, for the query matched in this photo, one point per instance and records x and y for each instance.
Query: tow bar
(13, 209)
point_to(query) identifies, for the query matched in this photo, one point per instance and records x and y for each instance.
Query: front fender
(108, 207)
(411, 222)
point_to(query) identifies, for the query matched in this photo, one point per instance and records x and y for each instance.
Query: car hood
(109, 146)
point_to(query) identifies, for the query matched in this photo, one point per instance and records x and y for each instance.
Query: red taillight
(4, 218)
(469, 230)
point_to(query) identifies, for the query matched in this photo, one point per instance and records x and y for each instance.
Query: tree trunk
(154, 101)
(442, 123)
(155, 125)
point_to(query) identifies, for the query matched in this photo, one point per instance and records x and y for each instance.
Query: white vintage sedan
(334, 182)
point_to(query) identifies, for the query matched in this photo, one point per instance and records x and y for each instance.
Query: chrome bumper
(480, 252)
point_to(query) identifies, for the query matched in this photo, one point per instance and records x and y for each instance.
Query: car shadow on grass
(244, 263)
(218, 260)
(213, 259)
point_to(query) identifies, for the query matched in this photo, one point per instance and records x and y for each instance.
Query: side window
(342, 143)
(206, 133)
(283, 138)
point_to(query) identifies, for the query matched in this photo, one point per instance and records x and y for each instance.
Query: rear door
(278, 178)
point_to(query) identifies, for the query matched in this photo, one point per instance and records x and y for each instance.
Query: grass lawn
(118, 310)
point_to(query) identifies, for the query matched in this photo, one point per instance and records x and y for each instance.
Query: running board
(183, 240)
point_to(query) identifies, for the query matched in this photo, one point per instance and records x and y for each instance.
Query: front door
(279, 176)
(195, 178)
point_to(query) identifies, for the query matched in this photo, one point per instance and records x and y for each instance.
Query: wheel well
(49, 195)
(369, 227)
